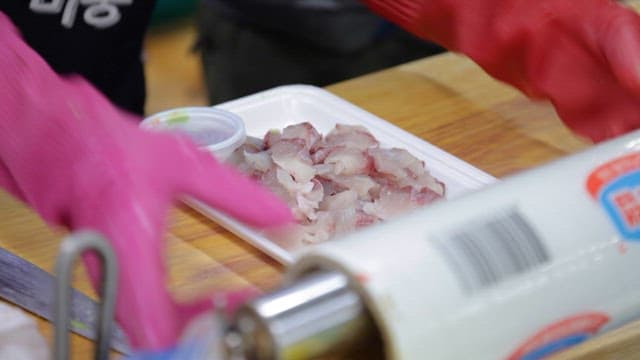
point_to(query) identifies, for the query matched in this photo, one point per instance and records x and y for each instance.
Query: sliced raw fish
(337, 183)
(303, 131)
(289, 155)
(347, 199)
(349, 161)
(351, 136)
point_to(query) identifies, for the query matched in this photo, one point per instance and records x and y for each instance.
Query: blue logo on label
(555, 346)
(621, 201)
(560, 335)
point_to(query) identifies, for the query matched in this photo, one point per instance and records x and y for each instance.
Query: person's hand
(583, 55)
(82, 163)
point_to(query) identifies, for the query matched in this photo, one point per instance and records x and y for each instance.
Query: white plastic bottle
(534, 264)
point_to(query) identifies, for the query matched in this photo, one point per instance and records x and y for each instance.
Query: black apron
(252, 45)
(100, 40)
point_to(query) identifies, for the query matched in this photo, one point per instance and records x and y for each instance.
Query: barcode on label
(489, 251)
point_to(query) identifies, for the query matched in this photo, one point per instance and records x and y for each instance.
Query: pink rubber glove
(80, 162)
(583, 55)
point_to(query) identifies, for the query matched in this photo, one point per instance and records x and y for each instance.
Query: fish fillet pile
(338, 182)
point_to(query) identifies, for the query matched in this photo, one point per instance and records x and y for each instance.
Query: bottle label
(616, 186)
(560, 335)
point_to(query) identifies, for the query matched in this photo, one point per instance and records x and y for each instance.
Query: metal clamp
(73, 246)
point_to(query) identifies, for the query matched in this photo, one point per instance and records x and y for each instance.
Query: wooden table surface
(446, 100)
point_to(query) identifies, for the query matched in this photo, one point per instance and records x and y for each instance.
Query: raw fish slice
(332, 223)
(322, 229)
(425, 196)
(398, 163)
(237, 158)
(337, 222)
(349, 161)
(289, 154)
(403, 169)
(363, 219)
(393, 202)
(259, 161)
(330, 187)
(319, 155)
(271, 181)
(347, 199)
(363, 185)
(351, 136)
(253, 144)
(303, 131)
(288, 182)
(349, 220)
(271, 137)
(324, 170)
(309, 202)
(423, 181)
(345, 221)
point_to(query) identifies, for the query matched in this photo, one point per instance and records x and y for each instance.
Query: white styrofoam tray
(278, 107)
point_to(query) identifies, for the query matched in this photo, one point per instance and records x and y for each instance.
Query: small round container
(216, 130)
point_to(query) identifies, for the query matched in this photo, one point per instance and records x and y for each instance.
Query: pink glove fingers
(82, 163)
(224, 188)
(134, 224)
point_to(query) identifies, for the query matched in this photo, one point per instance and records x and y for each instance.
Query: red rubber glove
(82, 163)
(583, 55)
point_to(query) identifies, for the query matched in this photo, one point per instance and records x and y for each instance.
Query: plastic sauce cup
(218, 131)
